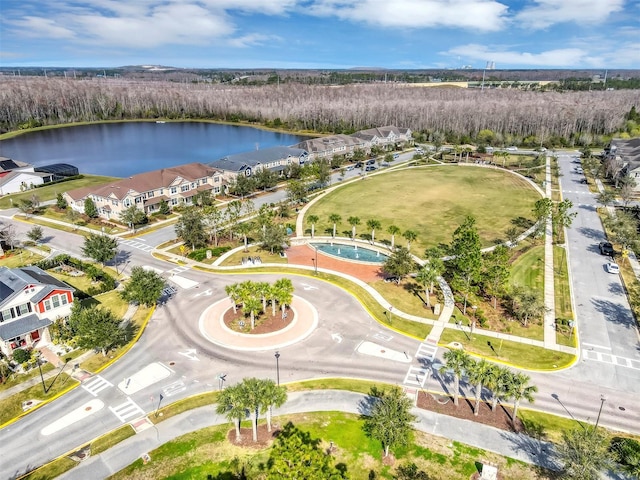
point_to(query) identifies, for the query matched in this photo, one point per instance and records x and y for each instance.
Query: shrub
(201, 253)
(21, 356)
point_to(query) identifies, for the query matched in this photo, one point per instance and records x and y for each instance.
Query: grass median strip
(519, 355)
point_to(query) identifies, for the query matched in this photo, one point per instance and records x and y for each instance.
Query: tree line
(27, 102)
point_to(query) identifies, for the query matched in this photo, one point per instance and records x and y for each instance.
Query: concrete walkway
(508, 444)
(549, 273)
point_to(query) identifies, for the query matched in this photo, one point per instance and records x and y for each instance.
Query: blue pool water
(351, 252)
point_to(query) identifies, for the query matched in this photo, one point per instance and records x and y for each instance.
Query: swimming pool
(351, 252)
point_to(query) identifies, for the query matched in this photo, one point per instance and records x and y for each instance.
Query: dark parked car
(371, 161)
(370, 168)
(606, 248)
(359, 165)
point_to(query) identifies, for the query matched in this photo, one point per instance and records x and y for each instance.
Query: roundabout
(298, 325)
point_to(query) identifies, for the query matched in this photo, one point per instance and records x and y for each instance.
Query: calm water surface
(124, 149)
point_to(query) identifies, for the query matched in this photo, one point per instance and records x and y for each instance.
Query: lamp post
(44, 388)
(602, 400)
(221, 378)
(315, 263)
(277, 355)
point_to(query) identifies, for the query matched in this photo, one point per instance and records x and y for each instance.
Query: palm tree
(244, 229)
(313, 219)
(456, 361)
(409, 236)
(498, 382)
(334, 218)
(518, 388)
(273, 396)
(426, 277)
(373, 224)
(262, 289)
(234, 294)
(479, 374)
(353, 221)
(231, 405)
(253, 305)
(285, 293)
(253, 399)
(393, 230)
(273, 298)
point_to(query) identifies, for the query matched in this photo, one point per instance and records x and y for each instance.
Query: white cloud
(31, 26)
(143, 23)
(164, 24)
(545, 13)
(252, 40)
(559, 58)
(483, 15)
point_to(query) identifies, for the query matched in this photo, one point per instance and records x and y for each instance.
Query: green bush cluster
(107, 282)
(201, 253)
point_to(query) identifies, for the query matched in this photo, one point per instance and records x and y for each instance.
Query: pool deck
(305, 255)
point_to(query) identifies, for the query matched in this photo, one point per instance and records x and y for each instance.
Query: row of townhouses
(30, 301)
(178, 185)
(625, 153)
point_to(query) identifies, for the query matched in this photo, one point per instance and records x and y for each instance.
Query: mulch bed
(265, 322)
(501, 418)
(265, 438)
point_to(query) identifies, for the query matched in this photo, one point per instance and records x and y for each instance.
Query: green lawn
(49, 192)
(433, 201)
(55, 214)
(208, 454)
(516, 354)
(19, 258)
(528, 269)
(406, 297)
(255, 251)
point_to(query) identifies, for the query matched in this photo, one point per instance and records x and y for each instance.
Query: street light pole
(315, 261)
(602, 400)
(277, 355)
(44, 388)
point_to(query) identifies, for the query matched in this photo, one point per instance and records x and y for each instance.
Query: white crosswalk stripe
(177, 270)
(611, 359)
(174, 388)
(416, 376)
(95, 385)
(128, 409)
(137, 244)
(426, 350)
(383, 336)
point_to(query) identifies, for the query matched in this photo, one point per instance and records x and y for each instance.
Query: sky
(324, 34)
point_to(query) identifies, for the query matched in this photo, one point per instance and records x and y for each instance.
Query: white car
(579, 170)
(511, 149)
(612, 267)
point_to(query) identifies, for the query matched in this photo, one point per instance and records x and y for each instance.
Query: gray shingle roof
(240, 161)
(21, 326)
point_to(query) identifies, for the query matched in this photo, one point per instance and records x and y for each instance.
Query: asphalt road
(193, 365)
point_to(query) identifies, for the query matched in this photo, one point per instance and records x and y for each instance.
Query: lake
(124, 149)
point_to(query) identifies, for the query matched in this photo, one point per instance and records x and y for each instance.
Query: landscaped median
(342, 431)
(521, 355)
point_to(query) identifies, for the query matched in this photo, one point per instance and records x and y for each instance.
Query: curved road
(189, 364)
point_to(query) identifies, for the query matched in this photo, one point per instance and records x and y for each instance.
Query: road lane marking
(149, 375)
(95, 385)
(595, 346)
(427, 351)
(416, 376)
(126, 410)
(611, 359)
(74, 416)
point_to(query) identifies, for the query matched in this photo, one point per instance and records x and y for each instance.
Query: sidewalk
(549, 273)
(508, 444)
